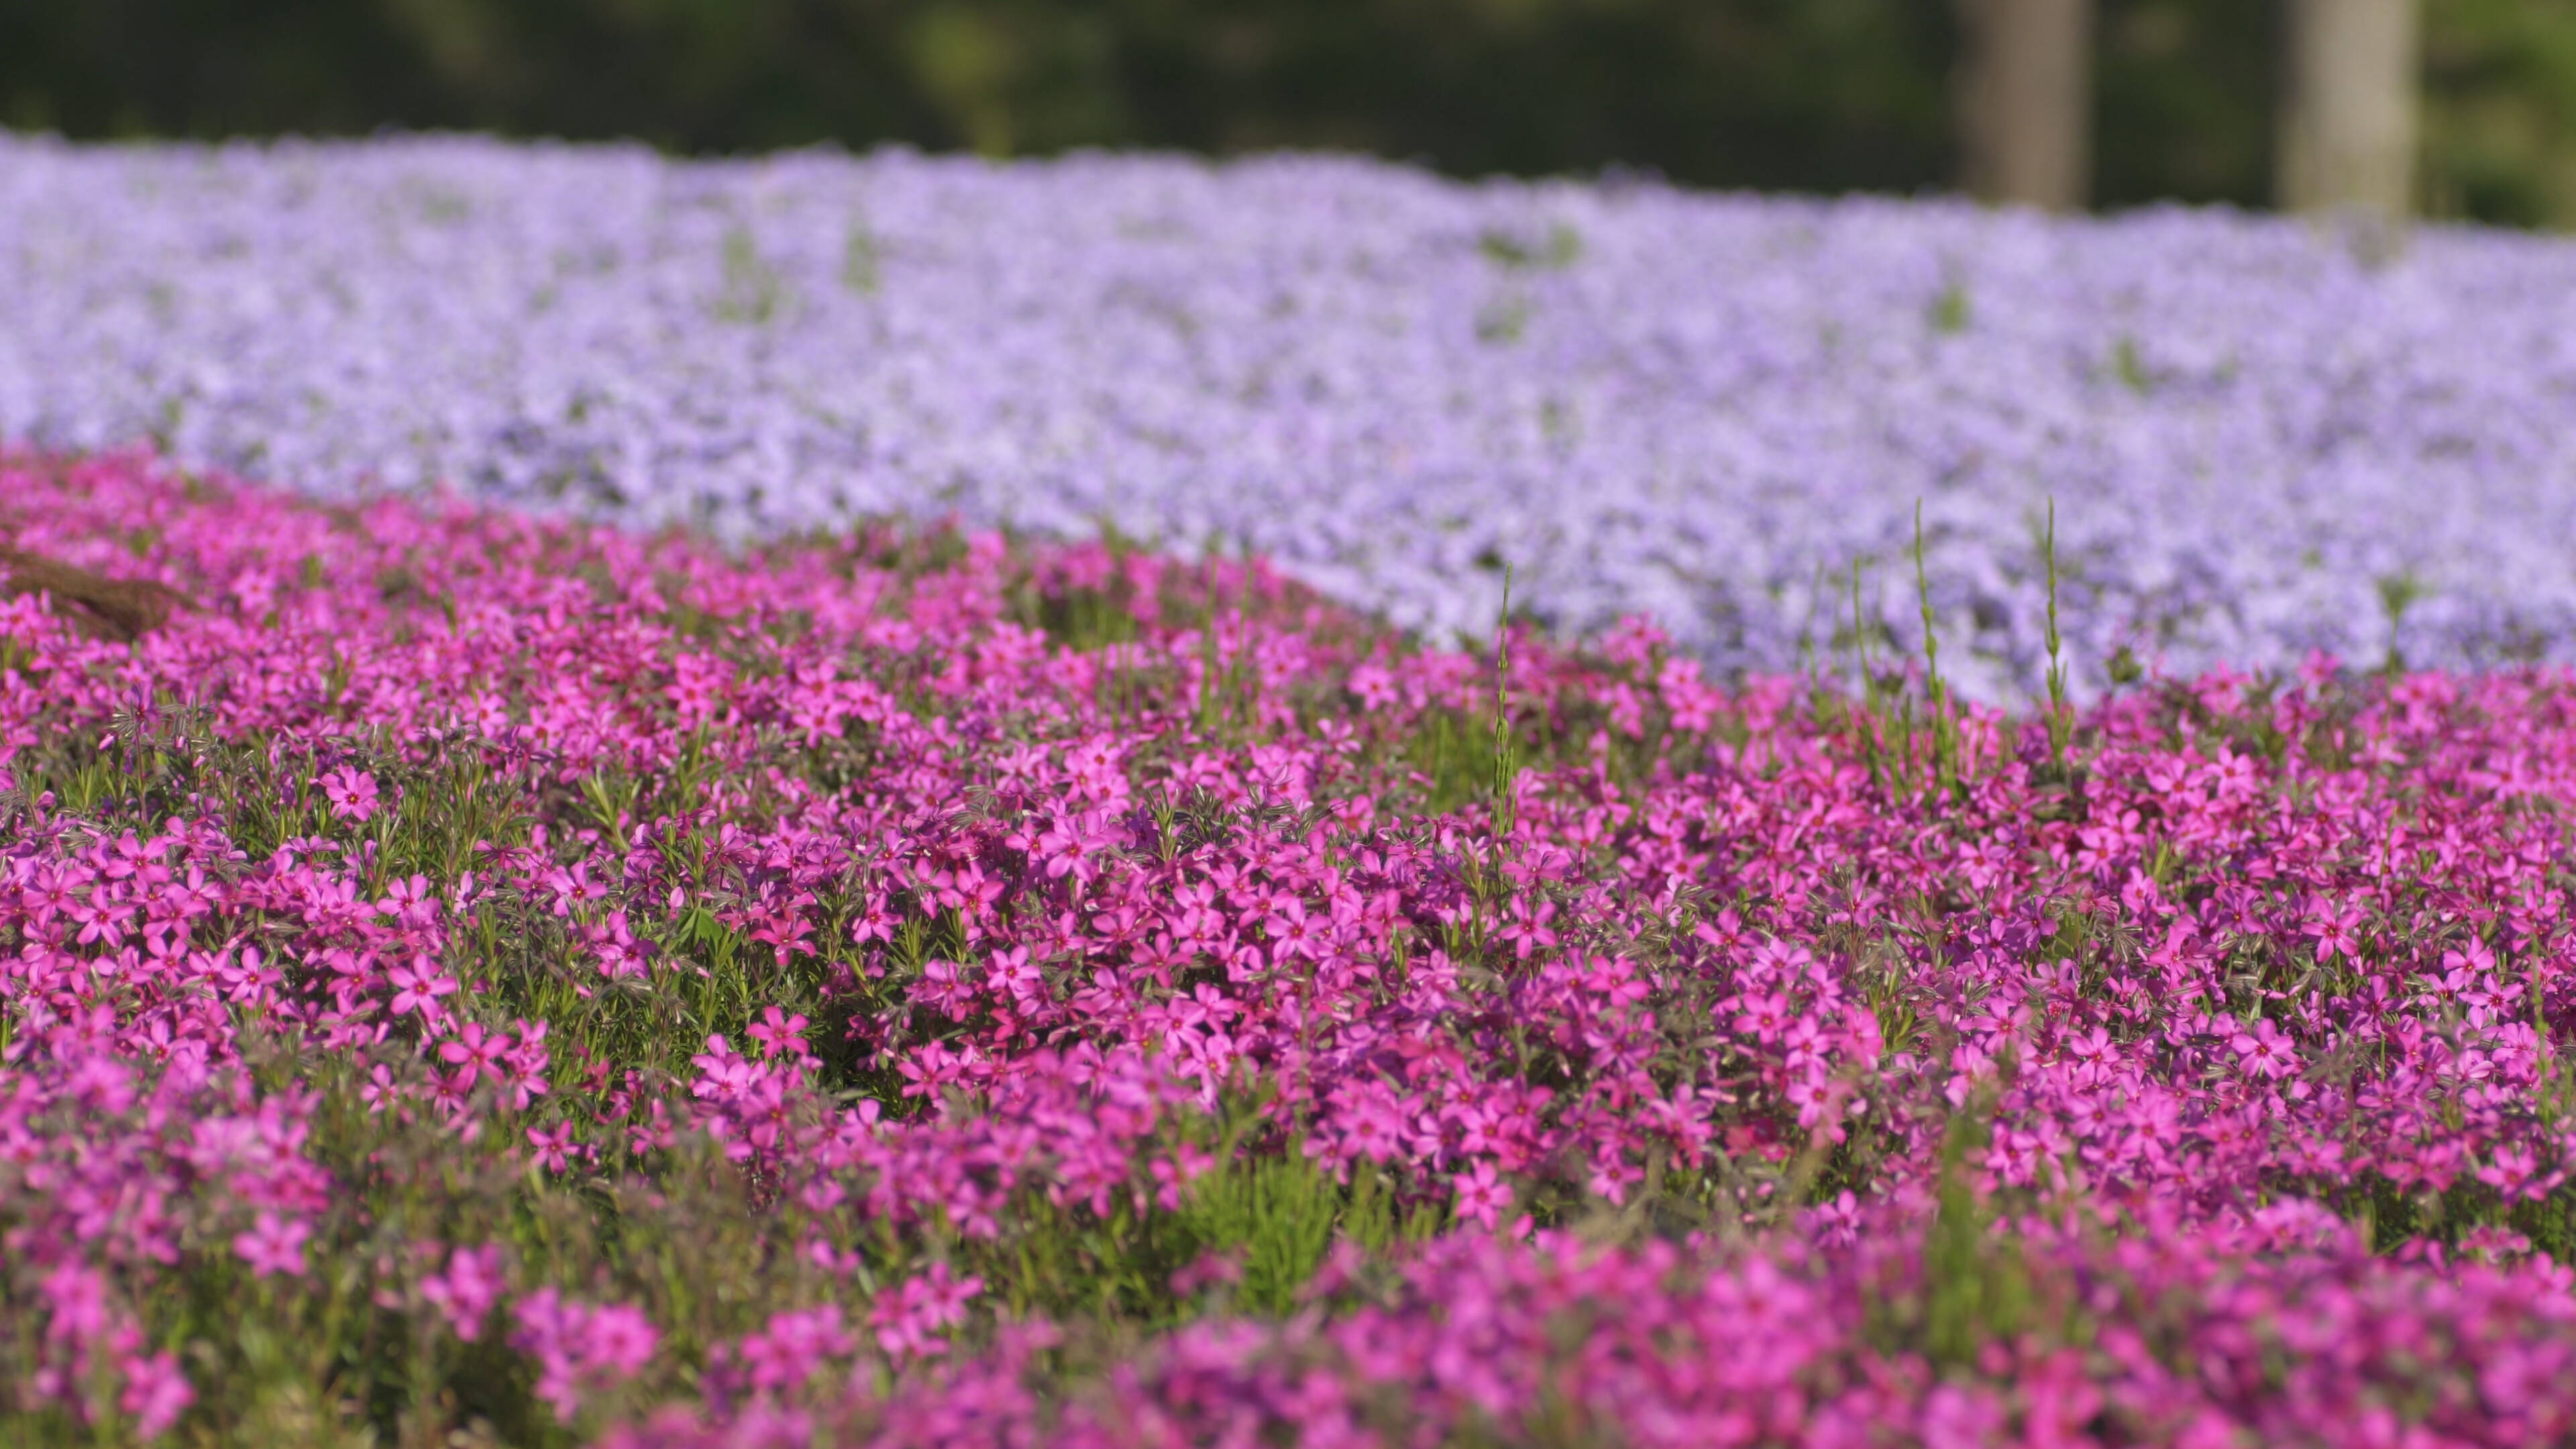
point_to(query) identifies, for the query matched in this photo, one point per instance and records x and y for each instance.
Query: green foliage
(1503, 322)
(1911, 741)
(1275, 1214)
(2184, 101)
(2061, 714)
(1975, 1290)
(1561, 247)
(1775, 94)
(1763, 93)
(2500, 110)
(1278, 1211)
(862, 260)
(1942, 711)
(753, 292)
(2398, 592)
(1506, 760)
(2391, 1218)
(2130, 368)
(1441, 750)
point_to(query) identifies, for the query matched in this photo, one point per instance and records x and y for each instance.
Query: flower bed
(1704, 409)
(483, 974)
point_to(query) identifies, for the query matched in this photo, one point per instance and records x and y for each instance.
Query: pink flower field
(471, 980)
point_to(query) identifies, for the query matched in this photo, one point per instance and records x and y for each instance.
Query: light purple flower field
(1704, 408)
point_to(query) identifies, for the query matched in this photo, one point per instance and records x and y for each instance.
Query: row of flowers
(1717, 411)
(462, 968)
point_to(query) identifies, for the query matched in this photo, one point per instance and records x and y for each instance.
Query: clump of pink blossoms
(919, 988)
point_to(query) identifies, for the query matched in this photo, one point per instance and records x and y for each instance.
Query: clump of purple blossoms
(1710, 410)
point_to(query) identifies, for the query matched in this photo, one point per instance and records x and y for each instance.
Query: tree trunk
(2347, 128)
(2024, 93)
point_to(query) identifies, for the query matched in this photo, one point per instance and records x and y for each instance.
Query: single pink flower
(274, 1245)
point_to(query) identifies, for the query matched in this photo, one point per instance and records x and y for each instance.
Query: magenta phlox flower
(612, 942)
(1098, 771)
(1174, 1174)
(89, 1342)
(1069, 844)
(417, 988)
(571, 886)
(1957, 1416)
(781, 919)
(1014, 978)
(947, 987)
(410, 902)
(476, 1051)
(156, 1393)
(873, 921)
(698, 688)
(1527, 929)
(1763, 1015)
(781, 1034)
(1482, 1196)
(781, 1357)
(467, 1289)
(2336, 928)
(555, 1147)
(2266, 1051)
(580, 1348)
(352, 793)
(76, 1301)
(910, 1316)
(273, 1245)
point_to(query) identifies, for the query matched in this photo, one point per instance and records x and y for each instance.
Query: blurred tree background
(1812, 95)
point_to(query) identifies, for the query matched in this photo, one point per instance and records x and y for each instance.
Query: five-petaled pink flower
(352, 793)
(273, 1245)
